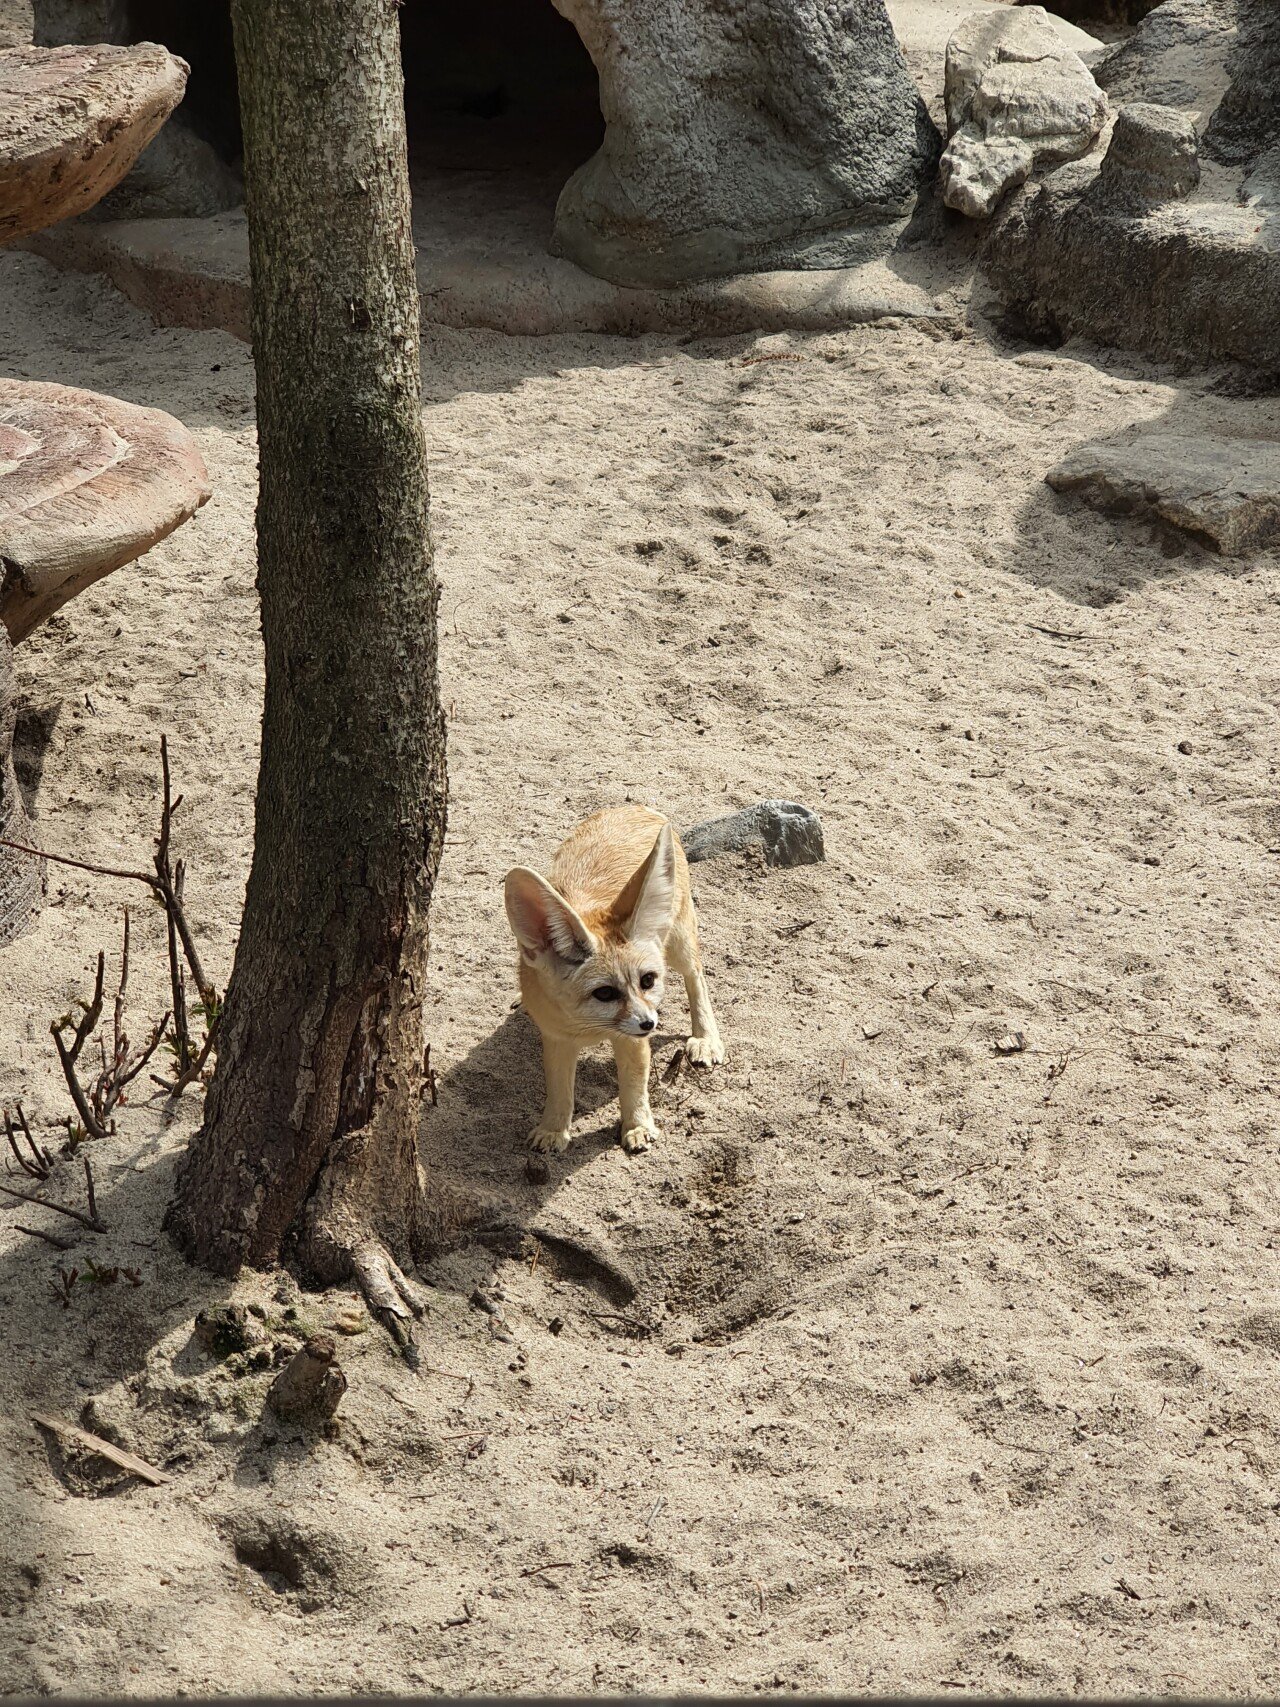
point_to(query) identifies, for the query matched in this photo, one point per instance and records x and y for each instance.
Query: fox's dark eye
(648, 980)
(606, 993)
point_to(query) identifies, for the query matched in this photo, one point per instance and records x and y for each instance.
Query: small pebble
(1184, 746)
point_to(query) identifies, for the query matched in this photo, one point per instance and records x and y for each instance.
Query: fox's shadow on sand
(496, 1195)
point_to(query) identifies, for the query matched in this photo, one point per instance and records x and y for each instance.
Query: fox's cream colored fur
(595, 945)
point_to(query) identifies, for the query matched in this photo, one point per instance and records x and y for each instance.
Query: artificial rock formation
(72, 122)
(1136, 252)
(1224, 492)
(87, 483)
(1017, 98)
(740, 136)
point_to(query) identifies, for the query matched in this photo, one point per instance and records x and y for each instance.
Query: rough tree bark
(309, 1142)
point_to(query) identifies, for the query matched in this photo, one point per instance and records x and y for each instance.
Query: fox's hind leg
(704, 1046)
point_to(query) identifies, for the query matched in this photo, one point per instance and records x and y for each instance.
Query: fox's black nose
(647, 1024)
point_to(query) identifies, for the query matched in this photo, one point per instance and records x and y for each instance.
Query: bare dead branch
(57, 1240)
(40, 1163)
(97, 1105)
(84, 865)
(83, 1108)
(91, 1220)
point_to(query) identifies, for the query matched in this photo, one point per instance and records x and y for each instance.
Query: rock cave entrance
(495, 89)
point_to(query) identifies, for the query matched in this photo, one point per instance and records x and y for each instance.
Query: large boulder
(743, 135)
(1177, 57)
(1017, 98)
(1153, 157)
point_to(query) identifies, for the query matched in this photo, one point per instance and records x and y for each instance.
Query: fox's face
(606, 975)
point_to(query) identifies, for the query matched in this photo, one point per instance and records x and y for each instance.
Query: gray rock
(1153, 157)
(1225, 492)
(58, 21)
(16, 23)
(787, 833)
(1246, 121)
(1017, 98)
(741, 136)
(177, 176)
(1189, 281)
(1193, 279)
(1177, 56)
(1261, 187)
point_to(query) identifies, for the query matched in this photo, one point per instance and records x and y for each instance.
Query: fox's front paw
(704, 1051)
(550, 1139)
(640, 1136)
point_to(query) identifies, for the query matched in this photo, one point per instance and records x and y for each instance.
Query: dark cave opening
(495, 85)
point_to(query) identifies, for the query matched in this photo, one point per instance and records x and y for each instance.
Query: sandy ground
(902, 1363)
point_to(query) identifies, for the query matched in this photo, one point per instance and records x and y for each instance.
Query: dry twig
(104, 1449)
(92, 1220)
(39, 1163)
(97, 1105)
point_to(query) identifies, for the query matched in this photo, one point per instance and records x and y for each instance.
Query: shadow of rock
(1093, 557)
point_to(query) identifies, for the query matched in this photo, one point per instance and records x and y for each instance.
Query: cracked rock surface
(1017, 97)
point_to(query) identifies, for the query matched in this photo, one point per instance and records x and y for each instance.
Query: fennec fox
(595, 943)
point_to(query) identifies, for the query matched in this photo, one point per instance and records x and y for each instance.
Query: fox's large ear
(649, 917)
(542, 919)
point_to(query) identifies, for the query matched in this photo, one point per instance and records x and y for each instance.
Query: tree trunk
(309, 1141)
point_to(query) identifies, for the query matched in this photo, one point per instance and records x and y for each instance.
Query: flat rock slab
(72, 122)
(485, 265)
(1226, 492)
(87, 483)
(787, 834)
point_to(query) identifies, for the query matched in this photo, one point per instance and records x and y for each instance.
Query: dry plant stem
(69, 1056)
(40, 1163)
(96, 1107)
(170, 886)
(56, 1240)
(91, 1220)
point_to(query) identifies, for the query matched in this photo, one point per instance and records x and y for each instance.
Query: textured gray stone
(743, 135)
(1225, 492)
(787, 833)
(1177, 56)
(177, 176)
(1195, 278)
(1153, 156)
(1246, 122)
(1017, 98)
